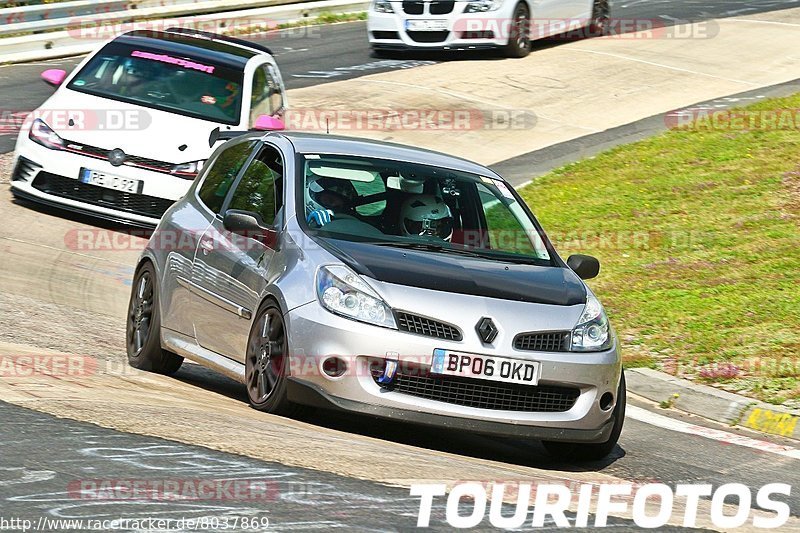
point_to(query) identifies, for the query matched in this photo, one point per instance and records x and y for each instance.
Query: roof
(217, 50)
(341, 145)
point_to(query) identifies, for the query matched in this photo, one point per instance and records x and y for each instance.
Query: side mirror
(54, 76)
(250, 224)
(268, 123)
(585, 266)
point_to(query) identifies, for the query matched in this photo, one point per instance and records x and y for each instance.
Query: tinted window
(408, 204)
(221, 175)
(151, 78)
(260, 189)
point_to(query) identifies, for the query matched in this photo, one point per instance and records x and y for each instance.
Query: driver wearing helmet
(426, 215)
(328, 197)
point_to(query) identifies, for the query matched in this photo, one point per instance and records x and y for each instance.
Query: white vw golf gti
(126, 132)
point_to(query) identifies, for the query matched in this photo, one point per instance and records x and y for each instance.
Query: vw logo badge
(116, 157)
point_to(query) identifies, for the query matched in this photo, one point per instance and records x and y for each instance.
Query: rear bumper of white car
(51, 177)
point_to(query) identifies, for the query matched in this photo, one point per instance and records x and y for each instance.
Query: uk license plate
(110, 181)
(426, 25)
(504, 369)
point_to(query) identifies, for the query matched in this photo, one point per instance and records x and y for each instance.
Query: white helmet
(426, 215)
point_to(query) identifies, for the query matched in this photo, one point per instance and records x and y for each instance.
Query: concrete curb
(714, 404)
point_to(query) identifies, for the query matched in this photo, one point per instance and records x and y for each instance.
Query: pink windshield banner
(163, 58)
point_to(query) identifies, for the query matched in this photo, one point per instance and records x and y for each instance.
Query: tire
(143, 330)
(601, 18)
(519, 38)
(267, 362)
(598, 451)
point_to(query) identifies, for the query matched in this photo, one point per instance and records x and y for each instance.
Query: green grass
(698, 235)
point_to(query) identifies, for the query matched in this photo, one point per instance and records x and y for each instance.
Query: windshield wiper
(430, 246)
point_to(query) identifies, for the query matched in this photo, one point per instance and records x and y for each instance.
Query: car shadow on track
(511, 451)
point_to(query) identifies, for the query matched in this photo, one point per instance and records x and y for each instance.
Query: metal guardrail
(83, 39)
(50, 17)
(39, 12)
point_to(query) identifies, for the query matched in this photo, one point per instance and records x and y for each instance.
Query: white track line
(654, 419)
(773, 22)
(661, 65)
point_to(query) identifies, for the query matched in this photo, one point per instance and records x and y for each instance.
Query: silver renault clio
(379, 279)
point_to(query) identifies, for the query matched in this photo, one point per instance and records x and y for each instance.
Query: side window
(261, 187)
(504, 230)
(220, 176)
(267, 98)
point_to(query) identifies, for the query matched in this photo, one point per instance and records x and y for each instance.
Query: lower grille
(24, 169)
(441, 7)
(416, 381)
(550, 341)
(487, 34)
(428, 36)
(420, 325)
(140, 204)
(385, 35)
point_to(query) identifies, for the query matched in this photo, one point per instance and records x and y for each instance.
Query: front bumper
(308, 394)
(465, 31)
(316, 335)
(50, 177)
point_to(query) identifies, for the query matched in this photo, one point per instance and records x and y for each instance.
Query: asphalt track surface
(40, 455)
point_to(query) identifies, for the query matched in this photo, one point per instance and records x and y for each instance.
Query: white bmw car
(510, 25)
(126, 132)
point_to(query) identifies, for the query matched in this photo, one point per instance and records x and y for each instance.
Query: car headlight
(481, 6)
(592, 334)
(382, 6)
(341, 291)
(42, 134)
(188, 170)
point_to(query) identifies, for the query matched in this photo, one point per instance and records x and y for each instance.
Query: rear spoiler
(226, 135)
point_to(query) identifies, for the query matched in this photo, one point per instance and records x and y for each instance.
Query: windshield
(157, 80)
(402, 204)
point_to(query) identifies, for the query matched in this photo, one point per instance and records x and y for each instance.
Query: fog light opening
(334, 367)
(606, 401)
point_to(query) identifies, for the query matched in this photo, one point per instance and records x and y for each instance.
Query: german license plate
(426, 25)
(110, 181)
(491, 368)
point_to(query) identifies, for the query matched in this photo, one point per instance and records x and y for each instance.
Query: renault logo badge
(486, 329)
